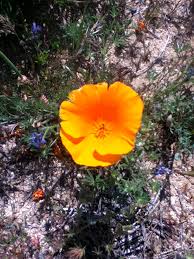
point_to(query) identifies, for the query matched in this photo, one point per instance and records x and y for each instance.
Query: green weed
(42, 57)
(173, 108)
(14, 109)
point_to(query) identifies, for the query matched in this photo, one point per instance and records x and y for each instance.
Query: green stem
(48, 129)
(189, 173)
(8, 61)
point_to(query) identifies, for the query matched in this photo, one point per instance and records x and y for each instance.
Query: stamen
(101, 131)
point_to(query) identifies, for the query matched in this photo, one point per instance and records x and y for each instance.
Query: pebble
(66, 228)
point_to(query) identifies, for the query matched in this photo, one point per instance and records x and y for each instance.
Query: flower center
(101, 131)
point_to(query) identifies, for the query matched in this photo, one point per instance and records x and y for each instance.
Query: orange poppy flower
(141, 26)
(38, 195)
(100, 122)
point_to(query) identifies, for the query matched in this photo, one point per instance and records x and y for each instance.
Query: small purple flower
(36, 140)
(133, 11)
(162, 170)
(190, 72)
(36, 29)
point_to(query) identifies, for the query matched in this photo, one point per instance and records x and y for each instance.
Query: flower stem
(48, 129)
(8, 61)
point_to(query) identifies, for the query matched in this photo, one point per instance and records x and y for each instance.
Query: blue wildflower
(162, 170)
(190, 72)
(36, 29)
(133, 11)
(37, 140)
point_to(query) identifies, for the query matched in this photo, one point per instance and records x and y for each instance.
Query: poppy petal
(114, 145)
(72, 123)
(108, 157)
(87, 91)
(82, 150)
(75, 127)
(67, 107)
(88, 100)
(133, 115)
(121, 89)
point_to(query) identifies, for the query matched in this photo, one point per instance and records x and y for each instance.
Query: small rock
(66, 227)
